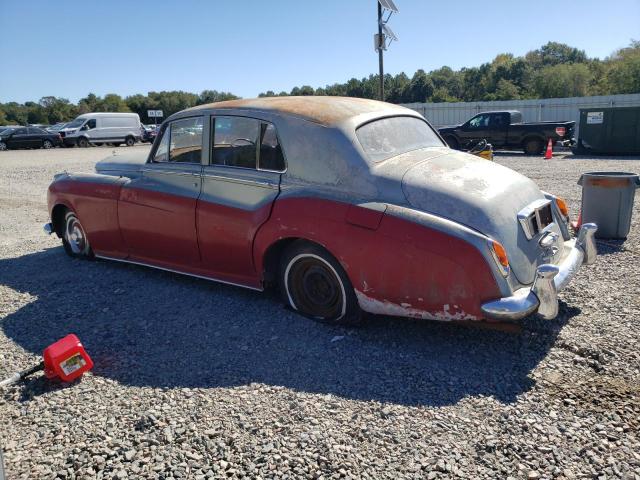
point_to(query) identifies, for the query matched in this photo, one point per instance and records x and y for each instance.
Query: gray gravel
(198, 380)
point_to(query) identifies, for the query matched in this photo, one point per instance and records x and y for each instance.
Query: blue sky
(69, 48)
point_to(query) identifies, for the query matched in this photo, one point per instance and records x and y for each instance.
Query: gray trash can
(607, 201)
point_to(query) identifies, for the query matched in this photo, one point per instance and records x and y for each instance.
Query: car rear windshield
(392, 136)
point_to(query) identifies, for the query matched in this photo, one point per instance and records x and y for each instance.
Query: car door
(19, 138)
(90, 129)
(476, 129)
(157, 210)
(239, 186)
(34, 137)
(498, 125)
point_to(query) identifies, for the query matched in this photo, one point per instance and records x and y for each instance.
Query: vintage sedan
(348, 205)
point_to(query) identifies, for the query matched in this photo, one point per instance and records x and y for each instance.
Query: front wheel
(83, 142)
(3, 146)
(315, 284)
(74, 238)
(47, 144)
(130, 141)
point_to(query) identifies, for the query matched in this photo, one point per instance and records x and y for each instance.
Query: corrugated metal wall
(547, 109)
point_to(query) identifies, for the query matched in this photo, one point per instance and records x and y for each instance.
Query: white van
(99, 128)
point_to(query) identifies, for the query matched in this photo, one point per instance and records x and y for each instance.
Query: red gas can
(66, 359)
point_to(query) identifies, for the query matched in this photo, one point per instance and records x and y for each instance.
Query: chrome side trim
(171, 172)
(241, 181)
(142, 264)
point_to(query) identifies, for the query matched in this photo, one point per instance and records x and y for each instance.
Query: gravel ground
(198, 380)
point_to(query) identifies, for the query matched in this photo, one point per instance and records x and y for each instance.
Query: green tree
(506, 90)
(563, 80)
(623, 70)
(420, 87)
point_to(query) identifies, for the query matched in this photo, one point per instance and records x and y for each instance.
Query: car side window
(235, 141)
(186, 140)
(481, 121)
(91, 124)
(162, 152)
(20, 131)
(497, 120)
(271, 157)
(37, 131)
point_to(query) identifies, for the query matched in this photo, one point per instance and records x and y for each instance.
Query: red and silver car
(348, 205)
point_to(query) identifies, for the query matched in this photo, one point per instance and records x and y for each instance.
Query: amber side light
(500, 253)
(562, 206)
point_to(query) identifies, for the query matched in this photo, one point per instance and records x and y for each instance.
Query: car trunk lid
(480, 194)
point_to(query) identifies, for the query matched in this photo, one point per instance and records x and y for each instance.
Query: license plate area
(534, 218)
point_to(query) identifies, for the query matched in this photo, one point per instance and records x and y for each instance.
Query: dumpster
(610, 131)
(607, 201)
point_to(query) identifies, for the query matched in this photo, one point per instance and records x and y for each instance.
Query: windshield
(389, 137)
(76, 123)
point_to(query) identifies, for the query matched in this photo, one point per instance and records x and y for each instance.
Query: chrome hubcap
(75, 236)
(3, 146)
(47, 144)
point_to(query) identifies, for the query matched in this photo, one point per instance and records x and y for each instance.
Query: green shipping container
(614, 131)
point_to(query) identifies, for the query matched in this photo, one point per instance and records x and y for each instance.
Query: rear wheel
(315, 284)
(83, 142)
(74, 238)
(47, 144)
(130, 141)
(533, 146)
(3, 146)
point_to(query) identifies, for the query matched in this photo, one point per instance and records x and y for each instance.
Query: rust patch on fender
(385, 307)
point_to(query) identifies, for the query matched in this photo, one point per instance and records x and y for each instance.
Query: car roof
(325, 110)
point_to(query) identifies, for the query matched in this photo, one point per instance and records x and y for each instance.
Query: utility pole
(384, 33)
(381, 44)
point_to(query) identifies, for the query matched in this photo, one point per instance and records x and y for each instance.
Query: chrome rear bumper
(542, 296)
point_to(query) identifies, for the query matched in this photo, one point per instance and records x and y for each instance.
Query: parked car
(347, 204)
(99, 128)
(505, 130)
(149, 133)
(28, 137)
(57, 127)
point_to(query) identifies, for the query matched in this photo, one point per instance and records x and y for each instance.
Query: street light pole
(380, 48)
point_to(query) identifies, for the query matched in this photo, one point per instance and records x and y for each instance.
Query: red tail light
(560, 131)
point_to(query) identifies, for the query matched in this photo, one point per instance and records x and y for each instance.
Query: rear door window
(235, 141)
(271, 157)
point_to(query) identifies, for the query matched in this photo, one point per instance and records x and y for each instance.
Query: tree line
(552, 71)
(51, 110)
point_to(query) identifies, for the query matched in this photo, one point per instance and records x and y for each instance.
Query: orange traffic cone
(549, 153)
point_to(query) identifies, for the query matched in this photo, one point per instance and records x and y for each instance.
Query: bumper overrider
(542, 296)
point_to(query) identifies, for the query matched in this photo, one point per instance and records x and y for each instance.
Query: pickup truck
(505, 130)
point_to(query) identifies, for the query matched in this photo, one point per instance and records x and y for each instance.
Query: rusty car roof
(325, 110)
